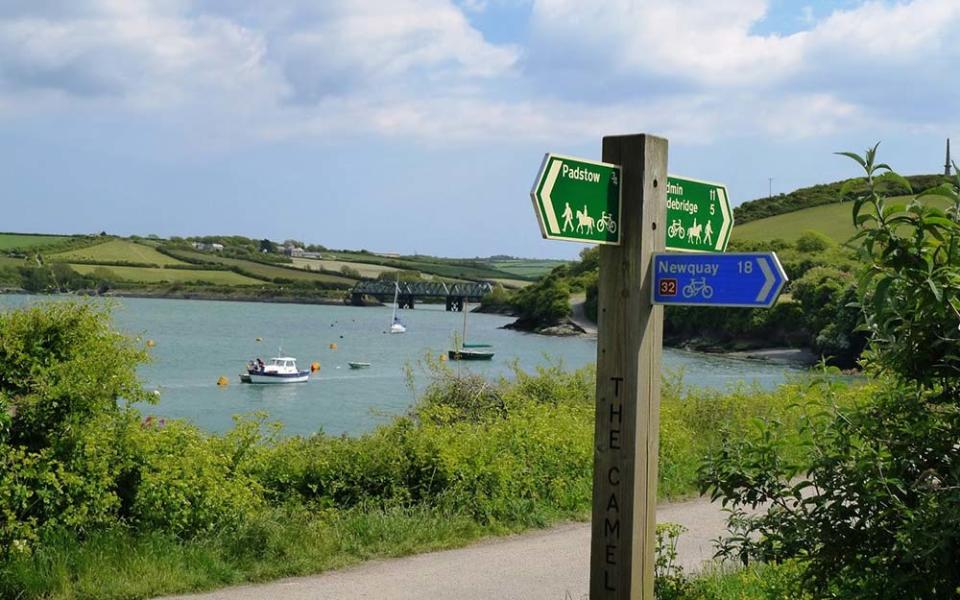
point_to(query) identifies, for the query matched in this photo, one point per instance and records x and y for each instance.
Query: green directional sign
(699, 218)
(578, 200)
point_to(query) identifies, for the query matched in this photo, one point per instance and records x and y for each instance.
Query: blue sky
(419, 125)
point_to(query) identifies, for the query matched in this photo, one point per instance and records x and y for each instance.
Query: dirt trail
(578, 314)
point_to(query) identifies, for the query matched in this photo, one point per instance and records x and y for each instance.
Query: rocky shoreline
(786, 356)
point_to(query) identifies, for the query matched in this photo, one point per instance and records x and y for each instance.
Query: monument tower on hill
(946, 164)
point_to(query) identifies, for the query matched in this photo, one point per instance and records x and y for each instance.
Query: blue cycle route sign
(749, 279)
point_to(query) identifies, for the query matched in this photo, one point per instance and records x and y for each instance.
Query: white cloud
(902, 32)
(360, 45)
(856, 66)
(700, 40)
(129, 55)
(694, 70)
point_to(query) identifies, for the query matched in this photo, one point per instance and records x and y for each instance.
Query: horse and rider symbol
(586, 223)
(698, 233)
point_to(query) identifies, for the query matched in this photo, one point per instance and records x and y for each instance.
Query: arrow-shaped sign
(578, 200)
(752, 279)
(698, 215)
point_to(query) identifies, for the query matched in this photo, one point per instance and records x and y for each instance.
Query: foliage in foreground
(84, 475)
(872, 509)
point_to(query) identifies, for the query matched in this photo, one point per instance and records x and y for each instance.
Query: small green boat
(467, 351)
(358, 365)
(465, 354)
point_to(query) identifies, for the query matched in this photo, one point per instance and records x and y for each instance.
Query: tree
(813, 241)
(36, 279)
(544, 303)
(268, 246)
(348, 271)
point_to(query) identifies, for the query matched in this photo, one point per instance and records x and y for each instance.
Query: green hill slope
(821, 194)
(115, 251)
(832, 220)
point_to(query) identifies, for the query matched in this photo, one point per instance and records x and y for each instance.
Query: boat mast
(463, 307)
(396, 293)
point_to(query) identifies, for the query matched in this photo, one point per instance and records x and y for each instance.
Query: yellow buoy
(314, 367)
(151, 343)
(443, 358)
(333, 346)
(259, 339)
(223, 381)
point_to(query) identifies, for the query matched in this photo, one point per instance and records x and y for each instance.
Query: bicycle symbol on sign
(676, 229)
(698, 287)
(606, 222)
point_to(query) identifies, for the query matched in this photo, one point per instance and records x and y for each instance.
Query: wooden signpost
(629, 347)
(630, 326)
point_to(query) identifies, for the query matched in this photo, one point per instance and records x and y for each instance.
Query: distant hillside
(229, 267)
(818, 195)
(833, 220)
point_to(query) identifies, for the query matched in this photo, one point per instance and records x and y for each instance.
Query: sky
(418, 126)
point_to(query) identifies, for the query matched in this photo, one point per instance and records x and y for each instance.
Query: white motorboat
(282, 369)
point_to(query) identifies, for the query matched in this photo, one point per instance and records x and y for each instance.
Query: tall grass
(473, 458)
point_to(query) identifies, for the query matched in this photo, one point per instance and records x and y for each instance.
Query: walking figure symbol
(708, 234)
(567, 217)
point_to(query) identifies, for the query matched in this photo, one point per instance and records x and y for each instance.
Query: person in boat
(259, 364)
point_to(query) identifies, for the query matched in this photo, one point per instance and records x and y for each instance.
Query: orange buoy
(314, 367)
(151, 343)
(223, 381)
(333, 346)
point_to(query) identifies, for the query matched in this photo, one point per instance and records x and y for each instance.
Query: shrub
(184, 482)
(872, 509)
(64, 375)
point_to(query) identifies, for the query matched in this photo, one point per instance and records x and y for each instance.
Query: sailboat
(465, 351)
(395, 325)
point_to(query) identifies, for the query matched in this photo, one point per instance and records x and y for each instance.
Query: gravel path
(551, 564)
(578, 314)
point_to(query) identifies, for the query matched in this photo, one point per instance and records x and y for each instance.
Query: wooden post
(629, 347)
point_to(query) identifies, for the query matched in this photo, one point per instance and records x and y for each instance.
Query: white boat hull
(273, 378)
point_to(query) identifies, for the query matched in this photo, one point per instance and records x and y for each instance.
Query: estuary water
(197, 341)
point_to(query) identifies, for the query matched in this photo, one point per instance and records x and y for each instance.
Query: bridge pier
(356, 299)
(455, 303)
(405, 301)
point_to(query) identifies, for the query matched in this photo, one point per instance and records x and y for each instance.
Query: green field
(118, 251)
(832, 220)
(365, 269)
(261, 270)
(9, 241)
(148, 275)
(527, 268)
(512, 283)
(9, 261)
(448, 268)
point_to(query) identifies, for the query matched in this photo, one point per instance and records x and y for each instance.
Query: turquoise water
(198, 341)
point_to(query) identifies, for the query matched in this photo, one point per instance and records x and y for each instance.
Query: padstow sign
(578, 200)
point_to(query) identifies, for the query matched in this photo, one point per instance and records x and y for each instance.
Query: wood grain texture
(629, 348)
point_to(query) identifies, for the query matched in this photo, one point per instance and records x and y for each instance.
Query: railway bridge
(455, 295)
